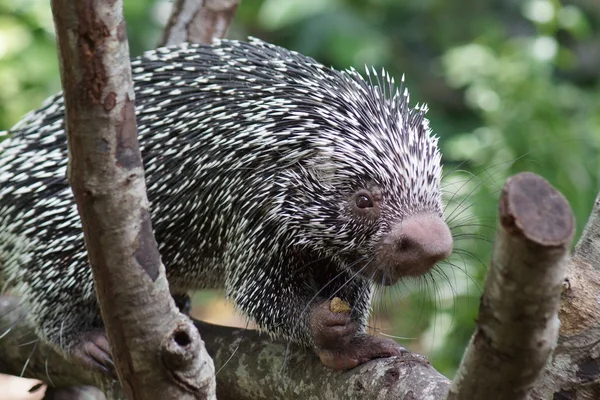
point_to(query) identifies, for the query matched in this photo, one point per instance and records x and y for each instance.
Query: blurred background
(511, 86)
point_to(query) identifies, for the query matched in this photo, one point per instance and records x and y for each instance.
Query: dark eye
(364, 201)
(365, 204)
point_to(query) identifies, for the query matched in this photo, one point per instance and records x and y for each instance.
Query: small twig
(198, 21)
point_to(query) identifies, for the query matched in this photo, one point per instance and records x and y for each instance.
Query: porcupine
(270, 175)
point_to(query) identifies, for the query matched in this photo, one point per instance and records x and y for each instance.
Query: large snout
(414, 246)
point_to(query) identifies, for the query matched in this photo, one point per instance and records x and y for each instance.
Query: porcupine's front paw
(340, 346)
(362, 348)
(93, 351)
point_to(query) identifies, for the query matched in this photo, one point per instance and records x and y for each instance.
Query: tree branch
(517, 327)
(573, 371)
(588, 247)
(250, 366)
(198, 21)
(107, 178)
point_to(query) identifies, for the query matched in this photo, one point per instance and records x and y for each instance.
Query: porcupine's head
(370, 196)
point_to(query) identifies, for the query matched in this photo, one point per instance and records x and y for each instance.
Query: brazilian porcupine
(279, 179)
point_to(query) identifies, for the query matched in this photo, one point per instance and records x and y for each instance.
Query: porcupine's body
(255, 159)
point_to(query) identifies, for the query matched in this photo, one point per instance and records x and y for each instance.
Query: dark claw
(93, 351)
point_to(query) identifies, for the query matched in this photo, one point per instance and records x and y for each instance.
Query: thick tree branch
(198, 21)
(107, 177)
(517, 327)
(250, 366)
(573, 372)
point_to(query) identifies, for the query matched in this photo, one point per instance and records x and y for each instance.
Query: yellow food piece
(338, 305)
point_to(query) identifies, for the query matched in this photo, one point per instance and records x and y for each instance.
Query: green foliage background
(511, 86)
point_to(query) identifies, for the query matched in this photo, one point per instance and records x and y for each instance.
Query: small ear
(304, 179)
(322, 168)
(306, 191)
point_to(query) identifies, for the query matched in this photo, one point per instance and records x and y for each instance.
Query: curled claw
(93, 351)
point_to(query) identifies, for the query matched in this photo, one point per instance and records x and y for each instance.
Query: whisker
(29, 358)
(472, 191)
(47, 372)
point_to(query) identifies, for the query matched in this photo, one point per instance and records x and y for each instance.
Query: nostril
(414, 246)
(405, 244)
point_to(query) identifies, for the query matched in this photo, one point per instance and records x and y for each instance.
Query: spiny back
(220, 129)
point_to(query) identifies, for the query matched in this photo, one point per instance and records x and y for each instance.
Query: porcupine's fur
(251, 153)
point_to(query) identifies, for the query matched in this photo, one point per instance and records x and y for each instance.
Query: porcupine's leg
(339, 329)
(61, 303)
(79, 334)
(304, 314)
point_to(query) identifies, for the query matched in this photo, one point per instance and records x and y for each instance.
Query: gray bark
(573, 371)
(199, 21)
(107, 178)
(517, 327)
(249, 365)
(252, 367)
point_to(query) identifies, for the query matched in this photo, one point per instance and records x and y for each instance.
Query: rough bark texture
(253, 367)
(518, 324)
(198, 21)
(107, 177)
(250, 366)
(573, 371)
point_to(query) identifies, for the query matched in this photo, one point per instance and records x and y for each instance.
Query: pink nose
(415, 245)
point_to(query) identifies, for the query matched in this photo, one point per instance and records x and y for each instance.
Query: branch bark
(250, 366)
(107, 178)
(517, 327)
(573, 371)
(198, 21)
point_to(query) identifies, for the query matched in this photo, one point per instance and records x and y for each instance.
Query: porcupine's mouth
(382, 278)
(376, 273)
(383, 274)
